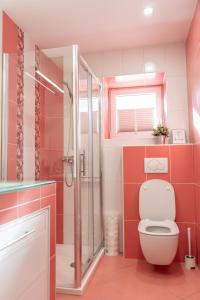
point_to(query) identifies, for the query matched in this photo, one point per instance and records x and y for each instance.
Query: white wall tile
(95, 61)
(154, 55)
(112, 63)
(176, 93)
(177, 119)
(132, 61)
(29, 163)
(29, 109)
(112, 163)
(175, 59)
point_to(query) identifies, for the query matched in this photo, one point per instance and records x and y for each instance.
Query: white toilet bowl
(157, 230)
(159, 241)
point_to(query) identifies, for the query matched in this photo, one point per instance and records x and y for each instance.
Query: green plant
(161, 130)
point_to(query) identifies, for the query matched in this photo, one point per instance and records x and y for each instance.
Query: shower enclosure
(81, 245)
(67, 149)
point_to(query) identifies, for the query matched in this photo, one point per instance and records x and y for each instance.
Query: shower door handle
(82, 159)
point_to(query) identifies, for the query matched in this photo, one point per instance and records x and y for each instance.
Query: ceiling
(100, 25)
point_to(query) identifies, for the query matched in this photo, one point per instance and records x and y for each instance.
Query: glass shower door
(85, 156)
(96, 154)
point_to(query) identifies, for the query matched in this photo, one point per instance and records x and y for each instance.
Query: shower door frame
(77, 59)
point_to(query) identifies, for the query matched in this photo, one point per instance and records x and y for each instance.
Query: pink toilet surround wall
(180, 175)
(193, 78)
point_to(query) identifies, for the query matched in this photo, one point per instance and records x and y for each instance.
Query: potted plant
(161, 131)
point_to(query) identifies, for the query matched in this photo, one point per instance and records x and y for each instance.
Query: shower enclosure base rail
(79, 291)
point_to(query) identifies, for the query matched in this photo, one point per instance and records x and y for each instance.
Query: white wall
(29, 109)
(170, 59)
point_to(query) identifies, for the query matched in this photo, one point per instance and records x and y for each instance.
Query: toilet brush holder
(190, 262)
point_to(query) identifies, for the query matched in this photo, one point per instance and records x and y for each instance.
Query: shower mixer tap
(68, 159)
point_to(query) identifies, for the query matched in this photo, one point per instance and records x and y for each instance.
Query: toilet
(158, 231)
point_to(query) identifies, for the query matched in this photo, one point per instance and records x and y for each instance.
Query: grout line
(26, 203)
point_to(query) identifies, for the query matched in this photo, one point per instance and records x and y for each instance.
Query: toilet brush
(190, 260)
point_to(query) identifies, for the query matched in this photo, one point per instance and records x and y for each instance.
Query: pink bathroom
(100, 150)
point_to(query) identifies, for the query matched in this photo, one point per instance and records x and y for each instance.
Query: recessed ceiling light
(148, 10)
(150, 67)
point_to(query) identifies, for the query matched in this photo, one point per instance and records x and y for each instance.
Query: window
(135, 110)
(84, 114)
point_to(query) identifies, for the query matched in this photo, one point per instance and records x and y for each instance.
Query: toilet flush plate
(156, 165)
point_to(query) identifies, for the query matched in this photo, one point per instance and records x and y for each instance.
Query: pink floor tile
(118, 278)
(195, 296)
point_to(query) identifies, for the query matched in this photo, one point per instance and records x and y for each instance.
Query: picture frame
(178, 136)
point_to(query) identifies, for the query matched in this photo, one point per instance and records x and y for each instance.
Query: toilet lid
(157, 200)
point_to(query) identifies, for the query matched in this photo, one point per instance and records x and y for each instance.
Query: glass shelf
(14, 186)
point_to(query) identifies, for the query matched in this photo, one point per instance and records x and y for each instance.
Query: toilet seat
(158, 228)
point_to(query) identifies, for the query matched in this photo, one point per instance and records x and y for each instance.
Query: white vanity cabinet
(24, 258)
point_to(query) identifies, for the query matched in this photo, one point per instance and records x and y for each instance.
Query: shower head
(69, 90)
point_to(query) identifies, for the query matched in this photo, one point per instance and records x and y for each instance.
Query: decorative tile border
(20, 103)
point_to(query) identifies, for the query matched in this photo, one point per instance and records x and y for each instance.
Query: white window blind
(133, 120)
(135, 112)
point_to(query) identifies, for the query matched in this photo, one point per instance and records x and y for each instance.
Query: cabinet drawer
(24, 257)
(23, 228)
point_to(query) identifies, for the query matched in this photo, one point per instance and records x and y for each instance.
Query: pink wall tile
(182, 164)
(59, 229)
(197, 163)
(9, 29)
(197, 195)
(12, 162)
(198, 242)
(60, 197)
(8, 215)
(48, 190)
(133, 164)
(53, 139)
(29, 208)
(8, 200)
(131, 203)
(51, 165)
(185, 202)
(132, 247)
(28, 195)
(158, 151)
